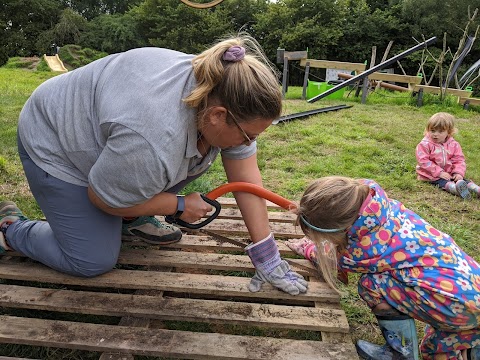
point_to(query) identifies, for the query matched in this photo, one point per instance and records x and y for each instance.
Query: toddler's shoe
(462, 189)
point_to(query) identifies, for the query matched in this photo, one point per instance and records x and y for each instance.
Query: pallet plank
(195, 260)
(160, 342)
(274, 216)
(155, 280)
(227, 226)
(180, 309)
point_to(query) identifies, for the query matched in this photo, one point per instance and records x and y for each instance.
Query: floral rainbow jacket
(433, 158)
(389, 238)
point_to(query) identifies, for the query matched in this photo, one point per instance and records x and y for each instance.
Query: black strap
(180, 206)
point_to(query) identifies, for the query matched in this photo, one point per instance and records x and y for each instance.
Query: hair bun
(234, 53)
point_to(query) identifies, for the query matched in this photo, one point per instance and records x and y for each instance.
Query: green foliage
(112, 33)
(90, 9)
(24, 21)
(296, 25)
(17, 62)
(342, 30)
(377, 26)
(172, 24)
(43, 66)
(74, 56)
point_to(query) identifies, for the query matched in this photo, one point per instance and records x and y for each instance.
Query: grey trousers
(77, 238)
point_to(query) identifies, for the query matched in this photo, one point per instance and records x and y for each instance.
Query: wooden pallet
(198, 280)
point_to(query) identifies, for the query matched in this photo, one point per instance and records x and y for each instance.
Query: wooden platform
(466, 101)
(187, 301)
(436, 90)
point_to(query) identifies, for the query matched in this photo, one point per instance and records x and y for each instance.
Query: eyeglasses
(248, 139)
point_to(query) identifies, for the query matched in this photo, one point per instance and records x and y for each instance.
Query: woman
(109, 145)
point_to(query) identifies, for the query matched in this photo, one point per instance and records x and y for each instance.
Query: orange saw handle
(233, 187)
(253, 189)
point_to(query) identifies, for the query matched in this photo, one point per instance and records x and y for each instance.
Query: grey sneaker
(150, 230)
(9, 213)
(462, 190)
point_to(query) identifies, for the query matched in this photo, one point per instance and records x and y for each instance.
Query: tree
(300, 24)
(23, 21)
(374, 26)
(90, 9)
(112, 33)
(444, 80)
(172, 24)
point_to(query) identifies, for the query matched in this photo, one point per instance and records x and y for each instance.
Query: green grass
(373, 140)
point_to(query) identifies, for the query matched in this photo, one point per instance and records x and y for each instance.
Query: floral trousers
(452, 325)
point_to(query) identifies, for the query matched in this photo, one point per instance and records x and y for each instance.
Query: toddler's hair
(441, 121)
(331, 202)
(248, 88)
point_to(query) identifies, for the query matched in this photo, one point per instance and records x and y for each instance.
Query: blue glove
(270, 268)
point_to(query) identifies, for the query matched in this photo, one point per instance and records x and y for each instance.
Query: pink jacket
(433, 158)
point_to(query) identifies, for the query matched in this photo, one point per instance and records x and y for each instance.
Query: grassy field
(375, 140)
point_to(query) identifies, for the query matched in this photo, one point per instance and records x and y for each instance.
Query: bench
(188, 300)
(437, 90)
(409, 80)
(466, 101)
(327, 64)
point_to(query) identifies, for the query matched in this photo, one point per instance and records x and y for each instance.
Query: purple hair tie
(234, 53)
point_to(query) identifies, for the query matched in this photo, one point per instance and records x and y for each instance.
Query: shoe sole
(462, 190)
(363, 355)
(151, 242)
(5, 204)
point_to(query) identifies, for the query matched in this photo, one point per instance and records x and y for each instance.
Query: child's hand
(457, 177)
(445, 176)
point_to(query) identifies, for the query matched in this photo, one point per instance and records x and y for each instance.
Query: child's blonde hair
(441, 121)
(331, 202)
(248, 88)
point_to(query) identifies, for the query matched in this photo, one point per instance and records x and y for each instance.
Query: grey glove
(270, 268)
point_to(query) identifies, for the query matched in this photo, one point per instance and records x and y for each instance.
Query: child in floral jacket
(410, 270)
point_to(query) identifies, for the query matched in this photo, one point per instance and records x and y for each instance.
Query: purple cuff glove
(272, 269)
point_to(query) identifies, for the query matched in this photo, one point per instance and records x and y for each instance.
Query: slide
(55, 63)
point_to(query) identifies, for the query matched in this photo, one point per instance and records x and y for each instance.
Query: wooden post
(365, 80)
(305, 80)
(365, 89)
(420, 98)
(285, 77)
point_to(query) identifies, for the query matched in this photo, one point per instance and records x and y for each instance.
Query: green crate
(315, 88)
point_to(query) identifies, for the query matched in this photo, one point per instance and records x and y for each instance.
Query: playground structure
(55, 63)
(350, 72)
(357, 72)
(373, 69)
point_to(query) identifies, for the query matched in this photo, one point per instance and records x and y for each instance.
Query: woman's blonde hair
(331, 202)
(248, 88)
(441, 121)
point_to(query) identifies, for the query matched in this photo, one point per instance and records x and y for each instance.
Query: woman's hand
(195, 208)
